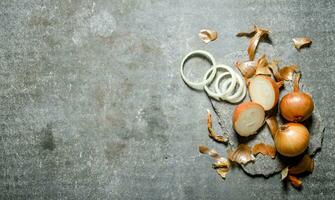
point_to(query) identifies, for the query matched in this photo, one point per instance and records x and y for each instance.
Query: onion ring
(208, 79)
(210, 93)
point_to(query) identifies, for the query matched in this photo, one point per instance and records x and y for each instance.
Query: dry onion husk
(263, 66)
(253, 42)
(297, 183)
(306, 164)
(221, 164)
(207, 35)
(211, 132)
(285, 73)
(284, 173)
(256, 34)
(248, 34)
(241, 155)
(264, 149)
(301, 42)
(247, 68)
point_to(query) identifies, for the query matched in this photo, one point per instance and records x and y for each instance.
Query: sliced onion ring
(238, 95)
(209, 78)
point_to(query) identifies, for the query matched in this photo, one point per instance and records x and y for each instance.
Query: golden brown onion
(290, 139)
(296, 106)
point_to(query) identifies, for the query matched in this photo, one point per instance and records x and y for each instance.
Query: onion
(296, 106)
(248, 117)
(264, 91)
(290, 139)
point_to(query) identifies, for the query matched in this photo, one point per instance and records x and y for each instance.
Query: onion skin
(296, 106)
(291, 139)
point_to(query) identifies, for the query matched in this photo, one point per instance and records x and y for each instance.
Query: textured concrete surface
(93, 107)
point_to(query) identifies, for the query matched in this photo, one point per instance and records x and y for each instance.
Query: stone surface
(93, 106)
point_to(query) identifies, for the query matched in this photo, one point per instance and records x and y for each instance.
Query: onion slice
(306, 164)
(264, 149)
(221, 165)
(242, 155)
(209, 77)
(207, 35)
(301, 42)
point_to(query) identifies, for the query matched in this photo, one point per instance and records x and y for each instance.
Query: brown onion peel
(306, 164)
(247, 68)
(221, 165)
(253, 42)
(262, 67)
(297, 183)
(301, 42)
(264, 149)
(247, 34)
(296, 106)
(284, 173)
(241, 155)
(207, 35)
(211, 132)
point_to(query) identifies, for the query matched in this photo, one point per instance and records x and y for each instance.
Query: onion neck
(273, 125)
(296, 82)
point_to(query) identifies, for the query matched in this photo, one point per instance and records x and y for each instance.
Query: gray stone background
(93, 106)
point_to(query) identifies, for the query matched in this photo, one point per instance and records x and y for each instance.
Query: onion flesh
(248, 118)
(264, 91)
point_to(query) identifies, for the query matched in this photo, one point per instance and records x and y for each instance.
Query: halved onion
(248, 117)
(264, 91)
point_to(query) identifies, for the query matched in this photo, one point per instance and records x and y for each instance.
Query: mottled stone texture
(93, 106)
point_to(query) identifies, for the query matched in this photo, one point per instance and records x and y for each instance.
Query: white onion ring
(210, 93)
(239, 95)
(202, 84)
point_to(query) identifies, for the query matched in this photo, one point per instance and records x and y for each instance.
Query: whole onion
(296, 106)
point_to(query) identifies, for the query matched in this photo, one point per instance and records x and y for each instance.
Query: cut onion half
(248, 117)
(264, 91)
